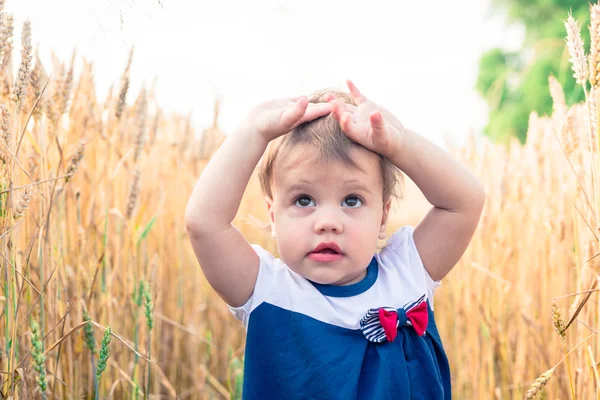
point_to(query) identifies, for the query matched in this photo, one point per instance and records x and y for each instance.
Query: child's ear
(384, 218)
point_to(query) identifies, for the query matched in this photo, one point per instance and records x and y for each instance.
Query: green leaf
(146, 230)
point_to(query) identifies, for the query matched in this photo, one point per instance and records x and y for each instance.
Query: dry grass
(100, 186)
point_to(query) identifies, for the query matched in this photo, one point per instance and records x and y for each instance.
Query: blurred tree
(516, 83)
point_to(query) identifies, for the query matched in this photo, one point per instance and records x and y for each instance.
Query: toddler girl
(332, 318)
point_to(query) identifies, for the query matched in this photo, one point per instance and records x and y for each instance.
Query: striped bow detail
(381, 324)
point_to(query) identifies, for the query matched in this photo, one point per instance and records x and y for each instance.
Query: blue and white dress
(374, 339)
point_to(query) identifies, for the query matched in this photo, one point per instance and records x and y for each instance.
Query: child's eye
(352, 201)
(303, 201)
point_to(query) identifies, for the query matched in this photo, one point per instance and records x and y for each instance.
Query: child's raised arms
(457, 196)
(228, 261)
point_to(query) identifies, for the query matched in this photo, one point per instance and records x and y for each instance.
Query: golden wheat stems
(580, 67)
(594, 77)
(569, 137)
(593, 110)
(23, 202)
(67, 87)
(595, 53)
(594, 367)
(134, 191)
(6, 47)
(560, 326)
(37, 79)
(154, 129)
(75, 160)
(5, 134)
(35, 183)
(543, 379)
(140, 137)
(559, 103)
(538, 385)
(595, 44)
(10, 278)
(122, 97)
(124, 88)
(34, 81)
(575, 46)
(558, 322)
(5, 125)
(22, 80)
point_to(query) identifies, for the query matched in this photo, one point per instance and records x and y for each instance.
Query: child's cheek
(291, 223)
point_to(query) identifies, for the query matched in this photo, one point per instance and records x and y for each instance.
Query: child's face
(314, 204)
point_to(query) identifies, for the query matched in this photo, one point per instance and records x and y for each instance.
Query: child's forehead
(306, 164)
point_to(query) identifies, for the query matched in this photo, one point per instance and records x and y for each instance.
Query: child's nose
(328, 221)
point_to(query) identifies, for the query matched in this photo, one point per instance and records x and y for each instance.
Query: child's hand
(369, 124)
(277, 117)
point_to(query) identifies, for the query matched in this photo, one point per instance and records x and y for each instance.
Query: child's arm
(457, 197)
(456, 194)
(228, 261)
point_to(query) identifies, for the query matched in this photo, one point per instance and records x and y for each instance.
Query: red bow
(418, 317)
(381, 324)
(389, 322)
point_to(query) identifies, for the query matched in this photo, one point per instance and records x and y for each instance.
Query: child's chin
(334, 279)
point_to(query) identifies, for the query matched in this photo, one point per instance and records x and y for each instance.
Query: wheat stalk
(134, 191)
(38, 78)
(23, 202)
(88, 330)
(593, 111)
(595, 44)
(560, 327)
(150, 323)
(66, 88)
(559, 104)
(35, 84)
(5, 125)
(6, 43)
(154, 130)
(148, 305)
(22, 80)
(575, 46)
(53, 103)
(103, 357)
(557, 321)
(141, 128)
(580, 66)
(124, 88)
(569, 136)
(90, 342)
(39, 360)
(538, 385)
(75, 160)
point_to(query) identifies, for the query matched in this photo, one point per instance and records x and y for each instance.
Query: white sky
(417, 58)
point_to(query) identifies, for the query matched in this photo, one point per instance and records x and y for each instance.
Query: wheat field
(101, 295)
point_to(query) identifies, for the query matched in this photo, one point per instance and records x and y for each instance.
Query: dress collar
(353, 289)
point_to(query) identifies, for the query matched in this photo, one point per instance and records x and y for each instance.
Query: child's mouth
(325, 256)
(327, 251)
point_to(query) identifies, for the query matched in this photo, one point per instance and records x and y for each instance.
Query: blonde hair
(325, 135)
